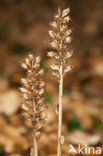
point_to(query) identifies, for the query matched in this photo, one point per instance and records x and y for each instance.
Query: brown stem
(35, 142)
(35, 148)
(60, 111)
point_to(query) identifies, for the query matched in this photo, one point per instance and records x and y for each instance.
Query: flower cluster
(34, 105)
(60, 40)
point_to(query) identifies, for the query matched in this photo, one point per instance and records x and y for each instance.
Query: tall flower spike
(34, 105)
(60, 40)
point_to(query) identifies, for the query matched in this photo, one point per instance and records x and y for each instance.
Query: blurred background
(24, 26)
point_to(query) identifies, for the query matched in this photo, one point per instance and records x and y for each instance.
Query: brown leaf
(9, 101)
(78, 137)
(65, 12)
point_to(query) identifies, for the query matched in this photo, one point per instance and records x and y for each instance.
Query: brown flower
(34, 105)
(60, 40)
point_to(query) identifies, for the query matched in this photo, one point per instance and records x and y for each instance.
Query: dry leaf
(78, 137)
(51, 54)
(9, 101)
(67, 69)
(55, 67)
(11, 138)
(65, 12)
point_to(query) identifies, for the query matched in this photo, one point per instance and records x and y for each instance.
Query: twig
(60, 111)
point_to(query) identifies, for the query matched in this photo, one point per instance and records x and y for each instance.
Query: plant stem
(35, 142)
(60, 110)
(35, 148)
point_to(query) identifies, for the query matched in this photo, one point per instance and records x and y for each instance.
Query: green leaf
(94, 119)
(98, 124)
(4, 29)
(75, 124)
(43, 65)
(20, 49)
(101, 99)
(1, 148)
(65, 91)
(47, 97)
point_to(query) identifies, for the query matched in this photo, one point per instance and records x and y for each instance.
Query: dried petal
(63, 28)
(44, 116)
(23, 90)
(29, 71)
(26, 115)
(68, 55)
(41, 91)
(39, 101)
(42, 108)
(67, 69)
(55, 67)
(36, 66)
(31, 57)
(39, 126)
(59, 11)
(25, 107)
(57, 36)
(68, 40)
(41, 84)
(24, 66)
(24, 81)
(25, 96)
(40, 72)
(55, 75)
(51, 33)
(56, 109)
(66, 19)
(51, 54)
(27, 61)
(65, 12)
(54, 24)
(36, 91)
(68, 32)
(54, 45)
(57, 57)
(38, 59)
(62, 139)
(57, 18)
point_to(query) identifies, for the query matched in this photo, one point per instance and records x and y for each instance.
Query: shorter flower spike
(32, 89)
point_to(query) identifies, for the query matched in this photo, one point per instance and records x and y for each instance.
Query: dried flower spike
(60, 40)
(34, 105)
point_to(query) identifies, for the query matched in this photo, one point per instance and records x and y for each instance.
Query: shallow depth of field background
(24, 26)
